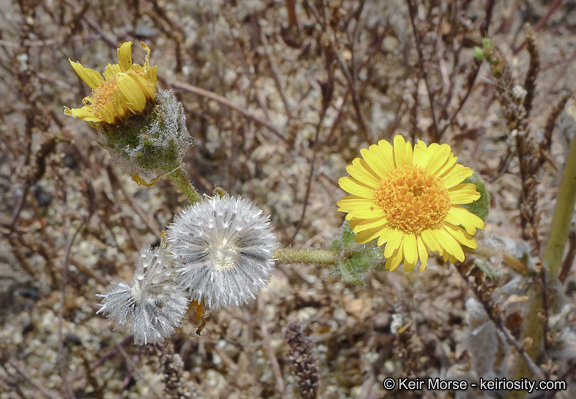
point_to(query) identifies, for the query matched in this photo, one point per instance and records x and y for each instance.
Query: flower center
(104, 94)
(224, 256)
(413, 200)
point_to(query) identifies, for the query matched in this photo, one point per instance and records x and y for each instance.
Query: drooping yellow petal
(91, 77)
(151, 76)
(136, 100)
(394, 260)
(85, 113)
(368, 235)
(126, 90)
(147, 88)
(111, 71)
(393, 243)
(125, 56)
(408, 267)
(410, 248)
(422, 253)
(385, 235)
(145, 47)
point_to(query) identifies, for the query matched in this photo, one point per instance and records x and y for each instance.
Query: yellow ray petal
(393, 243)
(369, 213)
(449, 258)
(410, 248)
(367, 224)
(85, 113)
(385, 235)
(353, 222)
(462, 217)
(455, 175)
(151, 76)
(420, 150)
(393, 261)
(91, 77)
(449, 244)
(463, 193)
(401, 155)
(430, 240)
(438, 158)
(461, 236)
(422, 157)
(353, 202)
(385, 152)
(368, 235)
(353, 186)
(450, 162)
(136, 100)
(422, 253)
(374, 161)
(145, 47)
(111, 71)
(108, 113)
(145, 85)
(360, 173)
(125, 56)
(408, 267)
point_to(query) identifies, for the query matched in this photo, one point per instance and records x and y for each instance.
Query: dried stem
(423, 70)
(490, 311)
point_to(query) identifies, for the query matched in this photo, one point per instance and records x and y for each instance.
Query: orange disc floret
(413, 200)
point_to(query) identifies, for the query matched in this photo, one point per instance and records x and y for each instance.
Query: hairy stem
(180, 178)
(288, 255)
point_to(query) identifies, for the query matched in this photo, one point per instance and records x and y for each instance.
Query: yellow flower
(409, 200)
(127, 88)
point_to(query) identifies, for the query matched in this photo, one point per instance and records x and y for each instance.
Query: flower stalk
(289, 255)
(180, 178)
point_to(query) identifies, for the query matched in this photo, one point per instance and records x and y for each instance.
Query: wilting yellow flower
(409, 200)
(126, 90)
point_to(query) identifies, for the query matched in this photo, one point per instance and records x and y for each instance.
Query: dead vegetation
(279, 97)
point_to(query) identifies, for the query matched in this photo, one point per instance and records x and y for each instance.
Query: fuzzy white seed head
(224, 249)
(154, 305)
